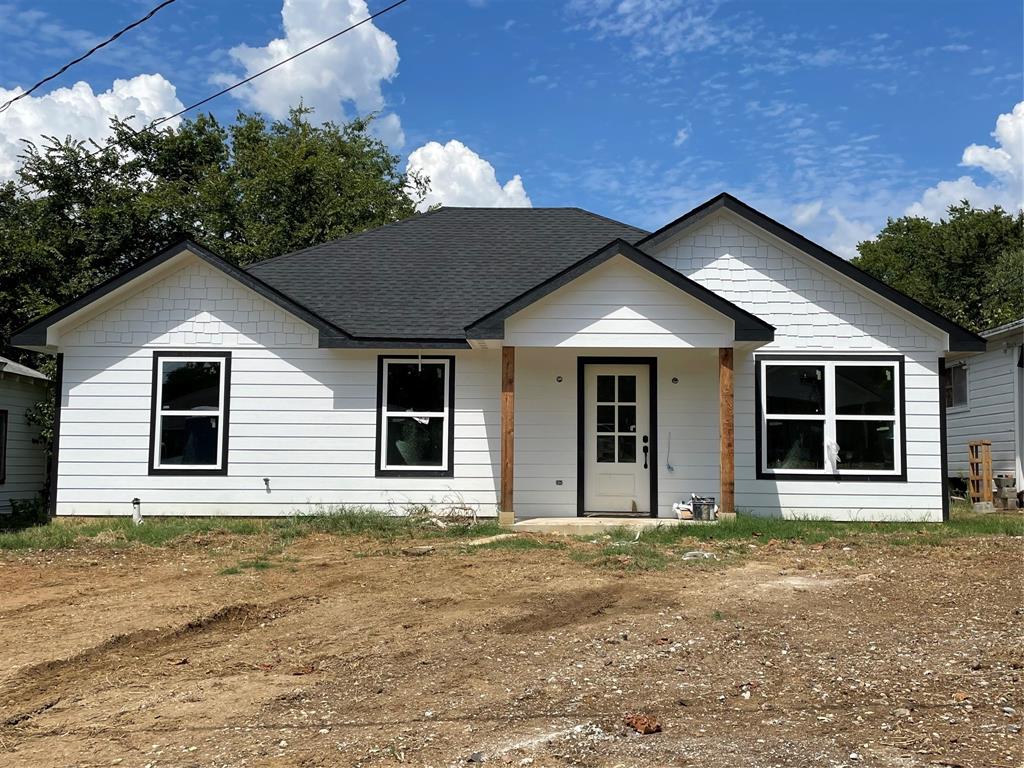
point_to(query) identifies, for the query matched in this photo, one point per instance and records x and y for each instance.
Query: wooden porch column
(506, 513)
(727, 431)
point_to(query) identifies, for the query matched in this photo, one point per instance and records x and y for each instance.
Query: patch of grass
(717, 615)
(159, 531)
(640, 556)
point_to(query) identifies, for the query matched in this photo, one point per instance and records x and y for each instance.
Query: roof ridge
(351, 235)
(610, 220)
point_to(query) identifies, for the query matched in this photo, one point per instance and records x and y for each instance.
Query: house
(984, 397)
(537, 362)
(22, 455)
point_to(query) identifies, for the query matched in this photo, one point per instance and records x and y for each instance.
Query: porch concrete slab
(585, 526)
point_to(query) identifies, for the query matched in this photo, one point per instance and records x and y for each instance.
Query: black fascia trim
(450, 472)
(58, 399)
(362, 342)
(5, 426)
(960, 339)
(747, 327)
(34, 334)
(581, 369)
(223, 468)
(835, 477)
(943, 440)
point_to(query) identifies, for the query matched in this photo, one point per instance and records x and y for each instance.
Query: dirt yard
(347, 652)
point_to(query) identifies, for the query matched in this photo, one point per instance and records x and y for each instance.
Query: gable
(618, 304)
(811, 306)
(195, 305)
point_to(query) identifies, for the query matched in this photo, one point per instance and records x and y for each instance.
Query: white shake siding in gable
(26, 459)
(618, 304)
(301, 416)
(816, 310)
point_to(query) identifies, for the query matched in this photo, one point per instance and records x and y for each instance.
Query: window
(3, 447)
(616, 419)
(414, 416)
(821, 417)
(955, 386)
(189, 420)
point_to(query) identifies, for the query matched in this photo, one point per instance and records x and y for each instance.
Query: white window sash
(830, 418)
(160, 413)
(385, 413)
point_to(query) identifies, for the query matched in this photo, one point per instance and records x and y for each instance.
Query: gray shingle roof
(430, 276)
(9, 366)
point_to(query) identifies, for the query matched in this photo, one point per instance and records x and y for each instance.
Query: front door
(617, 439)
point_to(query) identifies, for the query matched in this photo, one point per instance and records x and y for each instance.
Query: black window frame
(5, 429)
(449, 470)
(158, 356)
(827, 476)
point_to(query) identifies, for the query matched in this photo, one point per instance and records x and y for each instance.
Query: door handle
(646, 449)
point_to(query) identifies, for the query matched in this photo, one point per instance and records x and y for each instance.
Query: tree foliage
(249, 190)
(968, 266)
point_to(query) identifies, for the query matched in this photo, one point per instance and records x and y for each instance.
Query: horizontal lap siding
(545, 438)
(816, 310)
(618, 304)
(989, 413)
(301, 416)
(26, 459)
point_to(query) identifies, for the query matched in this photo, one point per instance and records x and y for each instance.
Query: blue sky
(829, 116)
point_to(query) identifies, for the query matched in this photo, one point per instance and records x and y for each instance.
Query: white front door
(617, 438)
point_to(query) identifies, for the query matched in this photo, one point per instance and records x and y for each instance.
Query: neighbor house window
(955, 386)
(3, 447)
(824, 417)
(414, 410)
(190, 413)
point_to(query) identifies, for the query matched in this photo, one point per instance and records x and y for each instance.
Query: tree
(80, 214)
(968, 266)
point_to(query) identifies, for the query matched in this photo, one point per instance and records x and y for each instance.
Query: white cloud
(847, 233)
(459, 176)
(805, 213)
(80, 113)
(1003, 163)
(681, 136)
(348, 70)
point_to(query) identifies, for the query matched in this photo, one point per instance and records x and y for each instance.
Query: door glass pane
(865, 390)
(606, 418)
(627, 418)
(627, 389)
(190, 386)
(792, 444)
(627, 449)
(795, 388)
(416, 387)
(606, 449)
(866, 444)
(188, 440)
(606, 389)
(415, 442)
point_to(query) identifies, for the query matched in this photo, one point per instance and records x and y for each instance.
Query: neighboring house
(984, 396)
(540, 362)
(22, 456)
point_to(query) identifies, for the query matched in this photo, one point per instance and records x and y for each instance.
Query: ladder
(979, 465)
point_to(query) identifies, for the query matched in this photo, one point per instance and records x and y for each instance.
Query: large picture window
(190, 413)
(414, 416)
(823, 417)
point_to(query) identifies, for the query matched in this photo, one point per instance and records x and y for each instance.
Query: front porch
(679, 438)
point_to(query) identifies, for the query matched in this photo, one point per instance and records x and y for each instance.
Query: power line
(250, 78)
(294, 56)
(87, 54)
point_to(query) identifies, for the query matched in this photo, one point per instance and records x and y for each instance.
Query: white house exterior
(22, 456)
(537, 362)
(985, 401)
